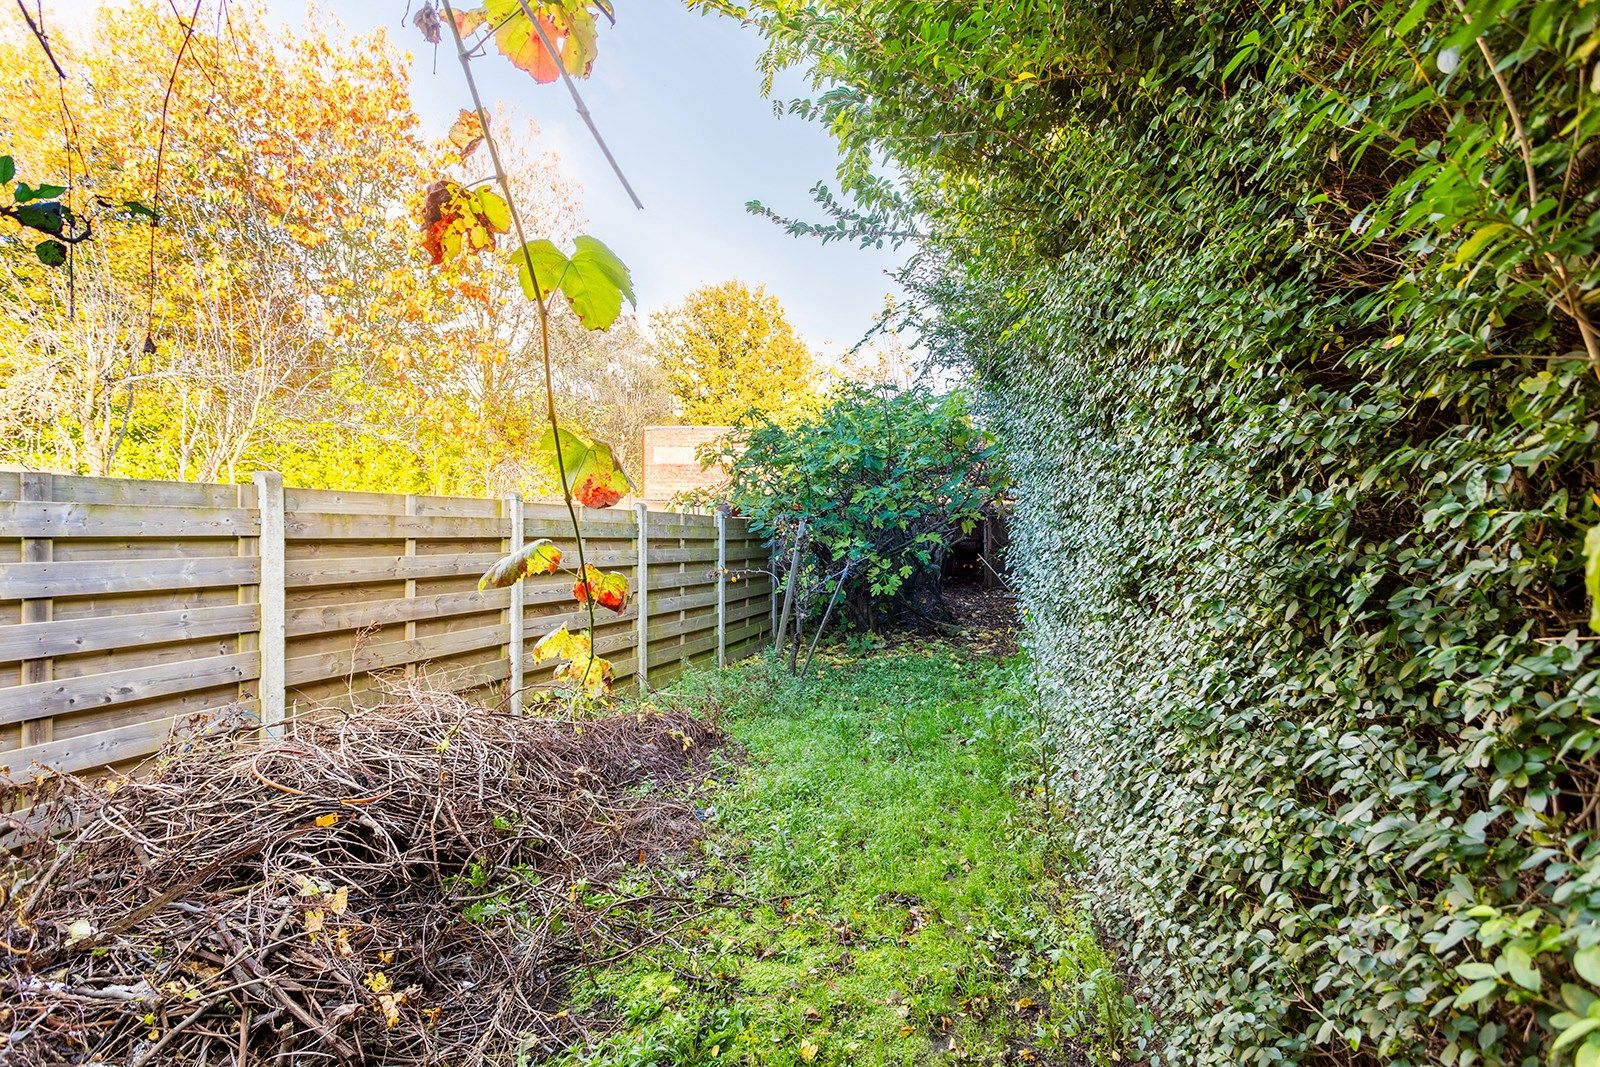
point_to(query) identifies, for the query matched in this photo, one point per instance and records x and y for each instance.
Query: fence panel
(134, 607)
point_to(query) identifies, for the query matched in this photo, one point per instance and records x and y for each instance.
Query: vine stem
(544, 334)
(1567, 301)
(577, 102)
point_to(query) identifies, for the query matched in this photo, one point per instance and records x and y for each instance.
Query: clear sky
(678, 97)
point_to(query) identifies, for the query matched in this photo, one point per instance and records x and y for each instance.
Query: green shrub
(885, 477)
(1283, 313)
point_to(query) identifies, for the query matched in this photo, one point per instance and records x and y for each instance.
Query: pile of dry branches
(405, 885)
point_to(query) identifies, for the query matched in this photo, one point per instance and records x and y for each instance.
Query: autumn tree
(284, 159)
(295, 316)
(729, 350)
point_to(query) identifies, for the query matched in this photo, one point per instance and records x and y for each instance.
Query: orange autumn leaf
(569, 25)
(608, 588)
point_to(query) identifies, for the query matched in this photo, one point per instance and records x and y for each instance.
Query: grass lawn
(877, 886)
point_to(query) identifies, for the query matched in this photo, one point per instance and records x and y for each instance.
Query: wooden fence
(135, 606)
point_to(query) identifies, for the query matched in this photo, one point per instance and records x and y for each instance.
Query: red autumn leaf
(600, 490)
(609, 588)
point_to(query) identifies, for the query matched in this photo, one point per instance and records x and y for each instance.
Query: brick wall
(670, 466)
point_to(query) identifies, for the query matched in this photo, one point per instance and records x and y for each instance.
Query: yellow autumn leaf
(558, 644)
(313, 920)
(327, 820)
(808, 1050)
(588, 673)
(341, 900)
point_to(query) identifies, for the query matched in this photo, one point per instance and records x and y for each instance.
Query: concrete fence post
(641, 595)
(516, 644)
(271, 642)
(722, 588)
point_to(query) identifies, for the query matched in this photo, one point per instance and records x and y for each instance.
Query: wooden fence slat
(65, 518)
(117, 745)
(98, 749)
(366, 570)
(67, 637)
(95, 577)
(311, 619)
(142, 492)
(64, 695)
(325, 526)
(378, 656)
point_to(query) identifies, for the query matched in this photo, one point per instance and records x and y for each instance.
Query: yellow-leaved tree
(297, 318)
(728, 350)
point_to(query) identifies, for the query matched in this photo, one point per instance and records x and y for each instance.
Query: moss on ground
(878, 886)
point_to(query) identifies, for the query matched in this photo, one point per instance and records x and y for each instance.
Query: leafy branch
(595, 282)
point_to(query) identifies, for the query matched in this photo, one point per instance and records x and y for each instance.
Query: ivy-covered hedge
(1284, 313)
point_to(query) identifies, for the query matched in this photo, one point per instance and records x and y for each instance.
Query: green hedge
(1291, 361)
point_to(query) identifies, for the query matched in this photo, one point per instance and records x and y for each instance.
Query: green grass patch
(889, 890)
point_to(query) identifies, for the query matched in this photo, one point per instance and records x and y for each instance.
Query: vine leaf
(609, 589)
(583, 670)
(456, 220)
(466, 134)
(590, 674)
(594, 280)
(593, 476)
(1591, 576)
(427, 21)
(51, 253)
(25, 192)
(568, 23)
(50, 217)
(561, 643)
(540, 557)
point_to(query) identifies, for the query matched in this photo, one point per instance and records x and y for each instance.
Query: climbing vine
(458, 222)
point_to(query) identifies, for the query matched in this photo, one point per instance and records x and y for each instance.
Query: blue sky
(678, 97)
